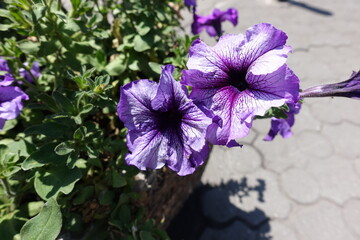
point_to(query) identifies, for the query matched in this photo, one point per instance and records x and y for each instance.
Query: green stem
(7, 188)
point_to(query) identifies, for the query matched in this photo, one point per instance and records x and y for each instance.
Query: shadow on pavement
(309, 7)
(208, 214)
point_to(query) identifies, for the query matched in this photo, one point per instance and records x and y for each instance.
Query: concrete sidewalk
(306, 187)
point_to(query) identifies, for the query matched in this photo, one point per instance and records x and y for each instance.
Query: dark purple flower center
(169, 120)
(238, 79)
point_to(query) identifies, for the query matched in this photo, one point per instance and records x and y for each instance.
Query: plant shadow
(210, 213)
(309, 7)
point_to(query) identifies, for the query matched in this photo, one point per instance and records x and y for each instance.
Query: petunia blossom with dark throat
(240, 77)
(164, 126)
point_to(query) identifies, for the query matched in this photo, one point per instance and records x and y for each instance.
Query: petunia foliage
(62, 146)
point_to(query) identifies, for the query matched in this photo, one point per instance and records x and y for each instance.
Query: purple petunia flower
(164, 126)
(283, 126)
(190, 3)
(238, 78)
(212, 22)
(10, 97)
(5, 74)
(349, 88)
(35, 71)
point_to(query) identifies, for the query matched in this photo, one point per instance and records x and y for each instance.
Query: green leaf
(80, 133)
(83, 195)
(106, 197)
(45, 155)
(50, 183)
(49, 101)
(47, 48)
(64, 148)
(10, 225)
(34, 207)
(86, 109)
(46, 225)
(75, 3)
(143, 27)
(95, 19)
(145, 235)
(6, 14)
(49, 129)
(118, 180)
(21, 147)
(9, 124)
(72, 160)
(5, 27)
(63, 102)
(29, 47)
(117, 66)
(156, 67)
(143, 43)
(83, 47)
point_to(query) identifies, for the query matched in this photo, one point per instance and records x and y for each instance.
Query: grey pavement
(306, 187)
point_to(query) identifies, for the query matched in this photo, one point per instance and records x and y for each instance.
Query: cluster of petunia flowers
(242, 76)
(11, 96)
(239, 78)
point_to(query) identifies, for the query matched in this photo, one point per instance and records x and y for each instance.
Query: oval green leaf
(46, 225)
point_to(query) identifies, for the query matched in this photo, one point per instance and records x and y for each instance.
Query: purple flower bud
(190, 3)
(35, 71)
(212, 22)
(349, 88)
(283, 126)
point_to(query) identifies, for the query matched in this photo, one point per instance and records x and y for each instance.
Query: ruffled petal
(149, 151)
(231, 15)
(270, 61)
(194, 124)
(182, 159)
(7, 79)
(260, 39)
(11, 102)
(203, 58)
(272, 90)
(134, 108)
(228, 105)
(170, 94)
(204, 80)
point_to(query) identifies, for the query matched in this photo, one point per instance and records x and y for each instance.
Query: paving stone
(300, 186)
(216, 205)
(229, 163)
(351, 214)
(271, 201)
(357, 166)
(305, 120)
(321, 221)
(344, 138)
(277, 231)
(325, 128)
(237, 231)
(324, 110)
(314, 144)
(336, 178)
(281, 154)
